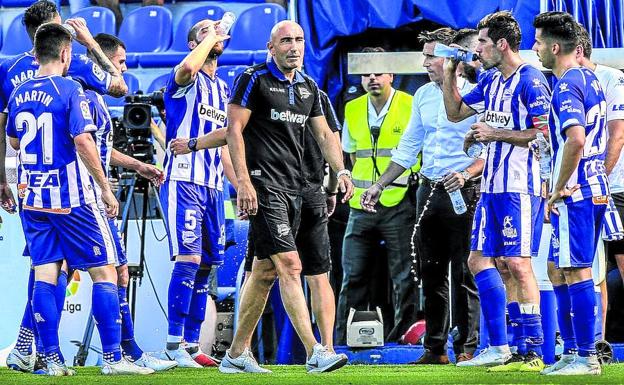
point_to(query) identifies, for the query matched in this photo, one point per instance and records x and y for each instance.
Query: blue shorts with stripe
(508, 225)
(476, 237)
(575, 232)
(195, 217)
(80, 235)
(120, 249)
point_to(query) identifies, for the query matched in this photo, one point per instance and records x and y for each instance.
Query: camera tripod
(129, 184)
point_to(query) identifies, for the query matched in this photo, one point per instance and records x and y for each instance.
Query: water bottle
(475, 149)
(545, 157)
(70, 28)
(459, 54)
(458, 202)
(226, 23)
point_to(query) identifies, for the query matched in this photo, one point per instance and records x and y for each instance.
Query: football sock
(583, 299)
(564, 319)
(197, 309)
(26, 334)
(515, 318)
(180, 295)
(492, 294)
(105, 309)
(45, 314)
(532, 327)
(128, 344)
(60, 292)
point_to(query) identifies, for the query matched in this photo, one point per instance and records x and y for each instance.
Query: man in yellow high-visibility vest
(374, 124)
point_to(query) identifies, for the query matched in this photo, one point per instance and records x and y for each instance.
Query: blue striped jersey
(193, 111)
(515, 103)
(612, 83)
(103, 135)
(578, 100)
(17, 69)
(46, 114)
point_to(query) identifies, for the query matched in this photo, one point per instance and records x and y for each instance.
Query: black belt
(439, 184)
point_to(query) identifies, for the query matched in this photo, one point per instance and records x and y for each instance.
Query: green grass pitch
(296, 375)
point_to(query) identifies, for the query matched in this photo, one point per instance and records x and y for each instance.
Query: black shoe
(41, 366)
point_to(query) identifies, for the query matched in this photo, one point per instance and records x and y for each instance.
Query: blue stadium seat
(99, 20)
(191, 18)
(16, 39)
(23, 3)
(253, 26)
(229, 73)
(260, 56)
(158, 83)
(133, 86)
(147, 29)
(172, 58)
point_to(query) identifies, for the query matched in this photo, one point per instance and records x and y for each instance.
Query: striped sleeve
(244, 88)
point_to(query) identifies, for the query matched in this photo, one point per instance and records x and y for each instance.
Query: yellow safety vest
(395, 122)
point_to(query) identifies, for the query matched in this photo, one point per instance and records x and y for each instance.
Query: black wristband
(330, 193)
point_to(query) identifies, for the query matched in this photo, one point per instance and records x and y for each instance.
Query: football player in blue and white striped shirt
(515, 100)
(50, 123)
(192, 194)
(14, 71)
(580, 188)
(115, 50)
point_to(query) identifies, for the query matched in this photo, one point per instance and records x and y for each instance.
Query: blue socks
(564, 319)
(492, 293)
(532, 327)
(515, 319)
(105, 310)
(197, 310)
(60, 292)
(26, 334)
(181, 288)
(128, 344)
(46, 317)
(583, 299)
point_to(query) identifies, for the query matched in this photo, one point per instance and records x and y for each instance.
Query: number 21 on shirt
(42, 125)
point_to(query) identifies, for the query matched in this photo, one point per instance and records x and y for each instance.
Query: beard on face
(216, 51)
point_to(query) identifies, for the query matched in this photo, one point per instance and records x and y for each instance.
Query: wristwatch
(343, 172)
(192, 144)
(466, 175)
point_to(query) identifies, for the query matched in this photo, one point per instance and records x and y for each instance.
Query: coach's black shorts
(312, 238)
(616, 247)
(274, 227)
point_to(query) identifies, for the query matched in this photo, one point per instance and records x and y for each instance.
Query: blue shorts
(81, 236)
(195, 217)
(508, 225)
(575, 233)
(477, 238)
(120, 248)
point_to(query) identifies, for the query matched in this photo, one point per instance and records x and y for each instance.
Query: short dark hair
(443, 35)
(109, 43)
(37, 14)
(559, 26)
(50, 39)
(372, 49)
(502, 25)
(584, 40)
(462, 36)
